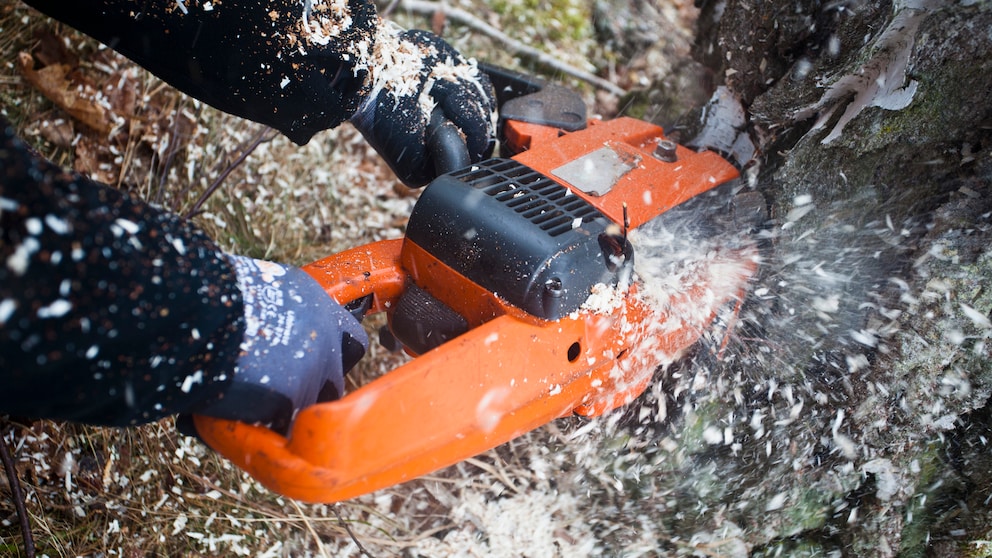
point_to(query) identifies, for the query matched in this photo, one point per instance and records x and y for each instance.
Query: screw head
(666, 151)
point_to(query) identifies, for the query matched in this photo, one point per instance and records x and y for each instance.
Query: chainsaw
(514, 290)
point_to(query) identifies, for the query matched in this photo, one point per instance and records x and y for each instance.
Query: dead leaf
(121, 94)
(50, 49)
(94, 160)
(58, 131)
(404, 191)
(52, 82)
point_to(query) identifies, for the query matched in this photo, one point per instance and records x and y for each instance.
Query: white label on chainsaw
(596, 173)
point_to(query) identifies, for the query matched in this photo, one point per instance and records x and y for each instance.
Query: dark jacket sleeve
(111, 311)
(295, 65)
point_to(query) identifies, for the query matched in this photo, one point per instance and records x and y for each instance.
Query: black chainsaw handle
(519, 97)
(446, 144)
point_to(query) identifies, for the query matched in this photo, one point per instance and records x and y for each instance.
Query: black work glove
(297, 347)
(410, 74)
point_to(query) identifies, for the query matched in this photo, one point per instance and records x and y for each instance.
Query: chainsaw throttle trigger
(422, 322)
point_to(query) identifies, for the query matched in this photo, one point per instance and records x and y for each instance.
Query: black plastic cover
(517, 233)
(555, 106)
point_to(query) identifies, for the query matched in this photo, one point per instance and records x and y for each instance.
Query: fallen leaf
(52, 82)
(57, 130)
(404, 191)
(121, 94)
(95, 161)
(51, 49)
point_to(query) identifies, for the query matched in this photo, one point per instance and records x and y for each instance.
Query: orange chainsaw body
(510, 371)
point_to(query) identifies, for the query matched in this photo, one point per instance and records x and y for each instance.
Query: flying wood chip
(53, 82)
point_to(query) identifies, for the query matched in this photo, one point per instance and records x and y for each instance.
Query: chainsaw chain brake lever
(533, 100)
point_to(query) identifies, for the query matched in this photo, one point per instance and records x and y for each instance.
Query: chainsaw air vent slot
(536, 197)
(514, 231)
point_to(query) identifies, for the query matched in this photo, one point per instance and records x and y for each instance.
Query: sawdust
(324, 20)
(395, 65)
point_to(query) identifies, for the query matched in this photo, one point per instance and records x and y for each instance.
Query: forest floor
(149, 491)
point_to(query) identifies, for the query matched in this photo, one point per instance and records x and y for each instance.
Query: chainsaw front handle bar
(446, 144)
(520, 98)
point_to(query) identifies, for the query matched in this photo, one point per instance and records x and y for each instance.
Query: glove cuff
(298, 342)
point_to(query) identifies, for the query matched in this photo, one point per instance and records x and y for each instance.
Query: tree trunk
(853, 413)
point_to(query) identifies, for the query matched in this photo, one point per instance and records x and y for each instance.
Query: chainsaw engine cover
(519, 234)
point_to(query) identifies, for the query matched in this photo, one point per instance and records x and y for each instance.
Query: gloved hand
(298, 344)
(410, 74)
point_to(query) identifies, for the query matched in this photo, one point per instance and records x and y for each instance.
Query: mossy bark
(857, 400)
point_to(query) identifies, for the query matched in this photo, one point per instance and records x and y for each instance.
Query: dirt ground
(151, 492)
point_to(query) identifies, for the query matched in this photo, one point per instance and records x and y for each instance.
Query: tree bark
(855, 406)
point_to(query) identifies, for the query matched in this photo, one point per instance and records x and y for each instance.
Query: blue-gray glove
(298, 345)
(412, 73)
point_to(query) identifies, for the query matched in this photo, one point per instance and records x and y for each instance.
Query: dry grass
(151, 492)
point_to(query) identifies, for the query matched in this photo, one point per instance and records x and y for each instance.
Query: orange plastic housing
(511, 372)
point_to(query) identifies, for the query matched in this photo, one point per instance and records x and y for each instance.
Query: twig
(514, 46)
(259, 138)
(351, 533)
(170, 154)
(18, 497)
(407, 542)
(389, 8)
(500, 474)
(309, 526)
